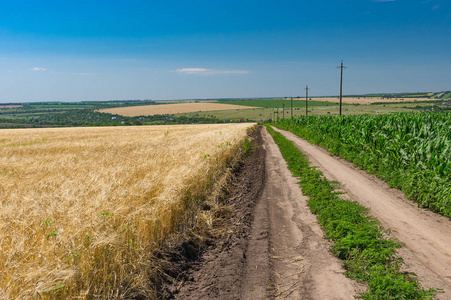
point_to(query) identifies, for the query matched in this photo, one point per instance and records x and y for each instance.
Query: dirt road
(277, 249)
(301, 265)
(427, 236)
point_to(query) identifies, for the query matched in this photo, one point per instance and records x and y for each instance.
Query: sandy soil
(427, 236)
(275, 249)
(170, 109)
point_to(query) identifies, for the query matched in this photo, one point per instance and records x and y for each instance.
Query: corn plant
(411, 152)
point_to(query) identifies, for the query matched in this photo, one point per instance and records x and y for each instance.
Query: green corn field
(411, 152)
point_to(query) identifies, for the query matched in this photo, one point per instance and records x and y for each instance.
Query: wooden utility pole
(292, 107)
(283, 110)
(341, 83)
(277, 114)
(306, 100)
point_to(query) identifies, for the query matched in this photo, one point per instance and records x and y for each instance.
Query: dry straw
(82, 209)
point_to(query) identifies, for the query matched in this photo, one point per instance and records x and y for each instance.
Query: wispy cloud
(39, 69)
(205, 71)
(193, 70)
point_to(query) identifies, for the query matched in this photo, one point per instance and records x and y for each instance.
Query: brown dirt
(274, 247)
(427, 236)
(302, 266)
(218, 272)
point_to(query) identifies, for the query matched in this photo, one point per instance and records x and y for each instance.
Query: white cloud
(205, 71)
(193, 70)
(39, 69)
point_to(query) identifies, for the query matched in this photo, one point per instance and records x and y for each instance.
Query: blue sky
(98, 50)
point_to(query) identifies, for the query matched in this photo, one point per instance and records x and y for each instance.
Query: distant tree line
(89, 117)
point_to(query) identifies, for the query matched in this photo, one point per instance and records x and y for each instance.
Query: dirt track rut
(276, 249)
(427, 236)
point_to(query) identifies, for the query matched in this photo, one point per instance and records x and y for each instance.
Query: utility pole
(283, 110)
(306, 100)
(277, 114)
(292, 107)
(341, 83)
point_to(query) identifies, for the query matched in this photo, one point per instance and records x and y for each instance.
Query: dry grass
(165, 109)
(367, 100)
(82, 209)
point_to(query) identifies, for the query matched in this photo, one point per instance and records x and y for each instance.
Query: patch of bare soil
(274, 248)
(426, 235)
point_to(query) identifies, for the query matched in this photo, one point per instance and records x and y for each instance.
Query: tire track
(302, 266)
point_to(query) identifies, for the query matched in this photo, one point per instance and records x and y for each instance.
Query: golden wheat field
(82, 208)
(164, 109)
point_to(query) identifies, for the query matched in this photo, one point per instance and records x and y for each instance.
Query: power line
(341, 83)
(437, 14)
(425, 15)
(435, 11)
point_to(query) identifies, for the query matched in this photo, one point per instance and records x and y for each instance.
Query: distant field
(82, 209)
(166, 109)
(274, 103)
(369, 100)
(261, 114)
(10, 106)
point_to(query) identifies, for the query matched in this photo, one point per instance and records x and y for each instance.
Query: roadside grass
(365, 247)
